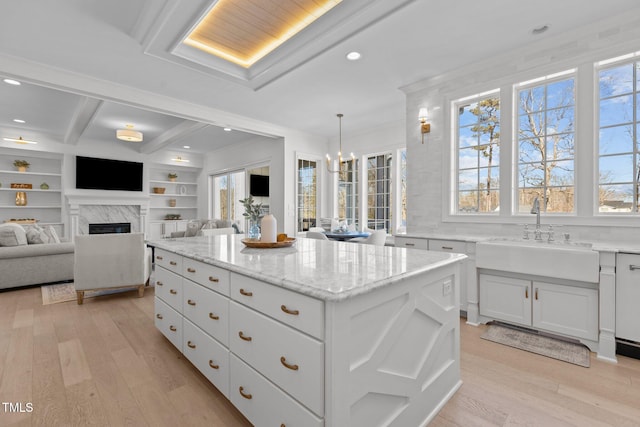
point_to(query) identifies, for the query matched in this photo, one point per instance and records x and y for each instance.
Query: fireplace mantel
(79, 198)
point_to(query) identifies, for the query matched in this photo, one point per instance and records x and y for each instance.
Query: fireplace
(110, 227)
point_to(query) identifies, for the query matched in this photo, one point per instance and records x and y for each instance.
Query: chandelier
(340, 159)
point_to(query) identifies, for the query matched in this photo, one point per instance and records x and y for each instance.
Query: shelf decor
(21, 185)
(21, 198)
(172, 176)
(252, 211)
(22, 165)
(44, 186)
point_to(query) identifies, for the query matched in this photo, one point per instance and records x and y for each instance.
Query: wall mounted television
(259, 185)
(106, 174)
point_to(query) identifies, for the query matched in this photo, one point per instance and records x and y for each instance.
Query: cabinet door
(628, 296)
(568, 310)
(454, 246)
(505, 298)
(411, 242)
(156, 230)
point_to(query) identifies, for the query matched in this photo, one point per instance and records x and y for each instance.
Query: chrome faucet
(535, 209)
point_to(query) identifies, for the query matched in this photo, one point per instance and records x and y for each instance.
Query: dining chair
(316, 235)
(376, 238)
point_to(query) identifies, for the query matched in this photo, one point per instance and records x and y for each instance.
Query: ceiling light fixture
(227, 129)
(12, 82)
(129, 134)
(19, 121)
(186, 146)
(20, 140)
(353, 56)
(180, 160)
(340, 160)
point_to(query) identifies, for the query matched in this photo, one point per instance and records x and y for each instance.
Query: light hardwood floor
(104, 363)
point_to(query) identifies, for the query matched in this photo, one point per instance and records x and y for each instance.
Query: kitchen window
(348, 191)
(545, 138)
(618, 157)
(379, 191)
(478, 154)
(307, 190)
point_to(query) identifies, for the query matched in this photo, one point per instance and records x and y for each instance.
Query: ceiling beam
(82, 118)
(182, 130)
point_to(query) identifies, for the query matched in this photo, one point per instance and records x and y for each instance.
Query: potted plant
(172, 176)
(22, 165)
(253, 212)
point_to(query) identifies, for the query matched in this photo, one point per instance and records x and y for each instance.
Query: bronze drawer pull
(172, 328)
(283, 360)
(159, 316)
(213, 279)
(213, 366)
(243, 394)
(409, 244)
(634, 267)
(173, 263)
(190, 302)
(244, 337)
(191, 270)
(213, 316)
(291, 312)
(526, 293)
(245, 293)
(159, 283)
(173, 291)
(190, 344)
(447, 248)
(536, 294)
(158, 257)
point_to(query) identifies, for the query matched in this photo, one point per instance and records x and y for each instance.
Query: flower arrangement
(252, 210)
(21, 163)
(172, 176)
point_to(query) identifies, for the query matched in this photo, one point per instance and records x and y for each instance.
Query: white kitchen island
(320, 333)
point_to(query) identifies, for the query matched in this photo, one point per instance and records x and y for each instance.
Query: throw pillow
(53, 235)
(209, 225)
(192, 228)
(12, 235)
(36, 235)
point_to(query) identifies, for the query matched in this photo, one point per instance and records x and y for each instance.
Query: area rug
(569, 352)
(64, 292)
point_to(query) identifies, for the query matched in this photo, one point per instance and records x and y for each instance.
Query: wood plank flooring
(103, 363)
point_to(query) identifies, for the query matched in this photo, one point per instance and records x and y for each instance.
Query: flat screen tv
(106, 174)
(259, 185)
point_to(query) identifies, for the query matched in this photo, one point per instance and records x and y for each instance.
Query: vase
(254, 230)
(22, 168)
(21, 198)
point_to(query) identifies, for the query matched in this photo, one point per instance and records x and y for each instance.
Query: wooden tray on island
(255, 243)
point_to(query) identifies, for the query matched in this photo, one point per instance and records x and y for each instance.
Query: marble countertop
(327, 270)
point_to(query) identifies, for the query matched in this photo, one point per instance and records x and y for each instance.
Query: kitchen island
(320, 333)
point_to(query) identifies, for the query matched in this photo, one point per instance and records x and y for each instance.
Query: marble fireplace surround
(102, 206)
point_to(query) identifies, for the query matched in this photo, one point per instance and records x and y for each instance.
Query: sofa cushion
(12, 235)
(53, 235)
(36, 235)
(192, 228)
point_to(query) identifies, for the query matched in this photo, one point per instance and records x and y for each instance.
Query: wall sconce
(424, 126)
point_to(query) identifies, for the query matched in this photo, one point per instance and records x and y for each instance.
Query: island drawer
(447, 246)
(169, 322)
(169, 288)
(292, 360)
(263, 403)
(207, 275)
(206, 354)
(207, 309)
(168, 260)
(411, 242)
(299, 311)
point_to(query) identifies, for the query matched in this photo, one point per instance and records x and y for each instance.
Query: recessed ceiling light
(186, 146)
(19, 121)
(539, 30)
(227, 129)
(353, 56)
(12, 82)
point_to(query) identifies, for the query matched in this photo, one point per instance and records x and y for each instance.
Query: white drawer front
(287, 357)
(447, 246)
(411, 242)
(300, 311)
(207, 275)
(169, 288)
(207, 309)
(263, 403)
(168, 260)
(169, 322)
(208, 355)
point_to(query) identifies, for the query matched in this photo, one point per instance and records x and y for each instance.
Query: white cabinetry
(568, 310)
(162, 229)
(44, 198)
(628, 296)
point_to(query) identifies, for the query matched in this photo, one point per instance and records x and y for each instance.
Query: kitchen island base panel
(393, 355)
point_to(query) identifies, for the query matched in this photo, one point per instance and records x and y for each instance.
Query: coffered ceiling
(93, 63)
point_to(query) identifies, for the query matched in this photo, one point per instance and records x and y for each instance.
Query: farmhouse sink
(572, 261)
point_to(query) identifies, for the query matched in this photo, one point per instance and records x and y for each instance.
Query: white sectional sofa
(35, 264)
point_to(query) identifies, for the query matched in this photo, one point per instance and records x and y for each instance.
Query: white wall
(428, 171)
